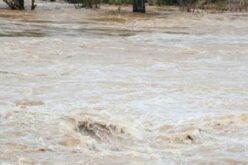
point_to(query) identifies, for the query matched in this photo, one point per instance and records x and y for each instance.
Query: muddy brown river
(106, 88)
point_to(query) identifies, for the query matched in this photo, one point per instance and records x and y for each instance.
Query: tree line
(140, 5)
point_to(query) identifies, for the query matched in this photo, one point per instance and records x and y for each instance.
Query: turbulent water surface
(101, 87)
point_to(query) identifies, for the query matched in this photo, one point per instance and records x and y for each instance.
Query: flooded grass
(23, 34)
(113, 19)
(109, 32)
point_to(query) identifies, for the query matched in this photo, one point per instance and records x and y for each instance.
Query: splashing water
(97, 87)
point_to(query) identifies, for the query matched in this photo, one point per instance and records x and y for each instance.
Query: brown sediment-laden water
(102, 87)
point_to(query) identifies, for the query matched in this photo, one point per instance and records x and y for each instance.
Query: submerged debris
(99, 130)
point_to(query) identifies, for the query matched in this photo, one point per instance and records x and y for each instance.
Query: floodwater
(102, 87)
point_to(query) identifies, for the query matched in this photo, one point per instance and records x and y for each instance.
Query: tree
(15, 4)
(139, 6)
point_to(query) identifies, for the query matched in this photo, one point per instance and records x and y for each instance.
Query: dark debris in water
(100, 131)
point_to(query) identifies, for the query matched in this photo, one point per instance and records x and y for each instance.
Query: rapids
(102, 87)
